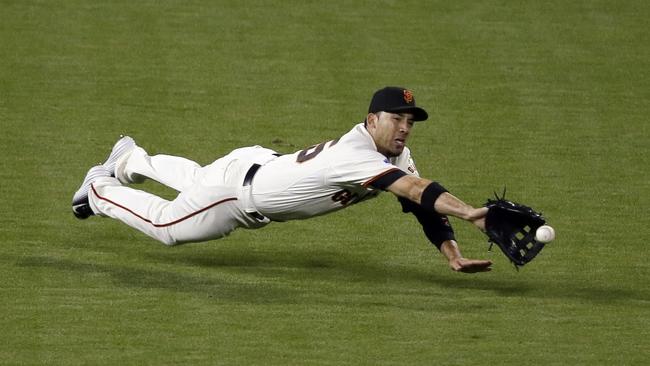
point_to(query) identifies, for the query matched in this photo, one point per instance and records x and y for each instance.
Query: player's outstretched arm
(428, 194)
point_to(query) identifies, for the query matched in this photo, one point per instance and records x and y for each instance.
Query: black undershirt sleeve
(384, 181)
(436, 227)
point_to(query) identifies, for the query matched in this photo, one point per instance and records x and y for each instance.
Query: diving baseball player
(254, 186)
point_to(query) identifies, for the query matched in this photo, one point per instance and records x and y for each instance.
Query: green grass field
(550, 99)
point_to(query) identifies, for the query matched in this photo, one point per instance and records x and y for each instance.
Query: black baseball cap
(395, 99)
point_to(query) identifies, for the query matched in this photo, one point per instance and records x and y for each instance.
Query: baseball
(545, 234)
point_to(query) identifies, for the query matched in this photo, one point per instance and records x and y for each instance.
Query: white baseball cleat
(121, 150)
(80, 206)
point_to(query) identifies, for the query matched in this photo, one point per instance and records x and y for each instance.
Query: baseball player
(254, 186)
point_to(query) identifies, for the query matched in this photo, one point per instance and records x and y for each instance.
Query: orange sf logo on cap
(408, 96)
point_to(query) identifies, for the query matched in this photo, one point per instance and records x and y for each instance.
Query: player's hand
(465, 265)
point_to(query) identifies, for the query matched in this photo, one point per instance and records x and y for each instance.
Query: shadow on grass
(223, 289)
(334, 266)
(258, 278)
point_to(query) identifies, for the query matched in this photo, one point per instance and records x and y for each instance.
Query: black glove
(512, 227)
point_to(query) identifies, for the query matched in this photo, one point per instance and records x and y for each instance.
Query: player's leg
(200, 213)
(173, 171)
(177, 172)
(130, 163)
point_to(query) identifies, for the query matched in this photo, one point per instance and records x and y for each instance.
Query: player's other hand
(465, 265)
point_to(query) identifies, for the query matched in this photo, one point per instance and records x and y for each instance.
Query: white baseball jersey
(213, 200)
(325, 177)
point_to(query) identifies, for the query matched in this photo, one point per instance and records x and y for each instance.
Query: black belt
(248, 179)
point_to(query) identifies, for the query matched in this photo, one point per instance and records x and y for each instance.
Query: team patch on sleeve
(411, 167)
(385, 179)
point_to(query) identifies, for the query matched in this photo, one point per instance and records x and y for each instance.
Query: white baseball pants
(211, 203)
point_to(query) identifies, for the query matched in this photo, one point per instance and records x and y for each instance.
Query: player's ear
(371, 119)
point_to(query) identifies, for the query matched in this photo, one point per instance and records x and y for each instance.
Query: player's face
(390, 131)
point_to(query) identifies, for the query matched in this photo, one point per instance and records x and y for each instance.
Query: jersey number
(311, 152)
(344, 196)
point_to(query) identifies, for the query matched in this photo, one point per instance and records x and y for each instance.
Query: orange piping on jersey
(373, 179)
(166, 224)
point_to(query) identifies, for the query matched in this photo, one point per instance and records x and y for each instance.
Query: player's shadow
(223, 289)
(257, 278)
(336, 266)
